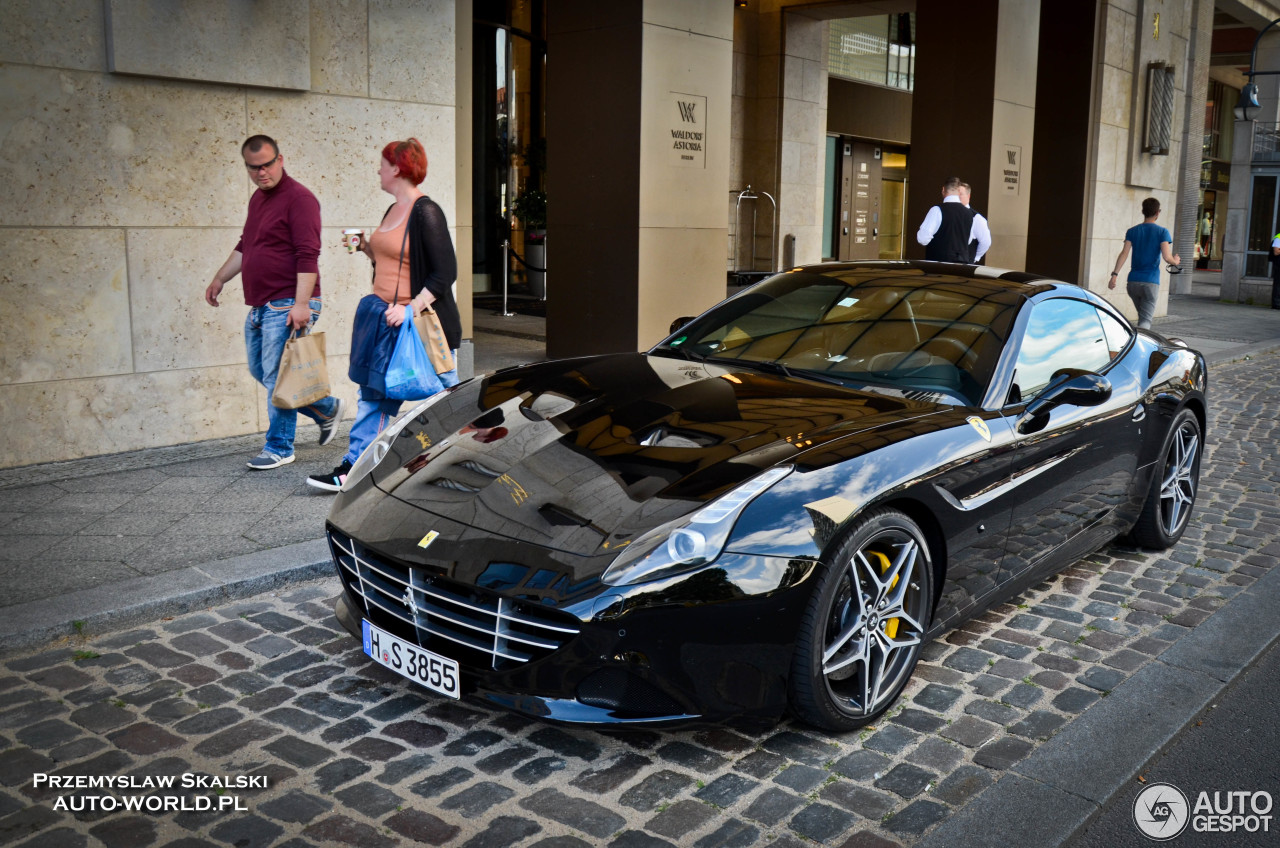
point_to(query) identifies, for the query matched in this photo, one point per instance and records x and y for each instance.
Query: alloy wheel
(875, 626)
(1178, 487)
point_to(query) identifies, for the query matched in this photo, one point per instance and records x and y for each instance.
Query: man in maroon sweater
(278, 256)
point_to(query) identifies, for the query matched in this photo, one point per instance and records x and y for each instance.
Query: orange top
(390, 276)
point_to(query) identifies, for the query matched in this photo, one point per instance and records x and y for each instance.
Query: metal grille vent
(1160, 100)
(453, 485)
(496, 631)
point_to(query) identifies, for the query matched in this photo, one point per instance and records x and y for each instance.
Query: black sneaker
(331, 482)
(328, 429)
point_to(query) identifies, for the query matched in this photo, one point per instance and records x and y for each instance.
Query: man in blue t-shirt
(1148, 241)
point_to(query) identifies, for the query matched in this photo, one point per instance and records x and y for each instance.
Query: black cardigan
(433, 265)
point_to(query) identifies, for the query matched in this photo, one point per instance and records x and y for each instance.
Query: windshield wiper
(822, 377)
(754, 364)
(681, 351)
(778, 368)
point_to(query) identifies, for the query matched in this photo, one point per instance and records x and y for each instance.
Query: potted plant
(530, 206)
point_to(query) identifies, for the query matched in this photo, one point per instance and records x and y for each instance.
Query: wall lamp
(1249, 94)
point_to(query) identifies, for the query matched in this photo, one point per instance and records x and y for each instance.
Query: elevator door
(860, 201)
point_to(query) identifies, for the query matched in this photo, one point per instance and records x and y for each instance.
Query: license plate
(437, 673)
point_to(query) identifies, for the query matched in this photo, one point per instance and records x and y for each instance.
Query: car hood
(584, 455)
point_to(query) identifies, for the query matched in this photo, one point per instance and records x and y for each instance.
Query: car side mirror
(1069, 386)
(680, 322)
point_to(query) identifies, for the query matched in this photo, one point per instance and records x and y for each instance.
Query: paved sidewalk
(102, 543)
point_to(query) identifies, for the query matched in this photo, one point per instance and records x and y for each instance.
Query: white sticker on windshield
(848, 301)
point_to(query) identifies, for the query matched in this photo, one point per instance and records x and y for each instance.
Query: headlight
(688, 541)
(378, 448)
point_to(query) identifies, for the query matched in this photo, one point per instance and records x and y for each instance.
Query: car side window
(1061, 333)
(1117, 333)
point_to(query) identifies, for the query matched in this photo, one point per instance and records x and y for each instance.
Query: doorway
(508, 145)
(865, 199)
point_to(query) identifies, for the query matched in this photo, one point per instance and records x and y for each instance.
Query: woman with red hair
(414, 267)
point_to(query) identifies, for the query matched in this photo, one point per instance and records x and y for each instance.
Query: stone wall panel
(68, 419)
(333, 145)
(411, 51)
(172, 325)
(673, 263)
(65, 298)
(129, 152)
(54, 33)
(240, 42)
(340, 47)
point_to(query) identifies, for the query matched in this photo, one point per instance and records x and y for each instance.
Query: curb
(1238, 354)
(511, 334)
(1052, 795)
(129, 602)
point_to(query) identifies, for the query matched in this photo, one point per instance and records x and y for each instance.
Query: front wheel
(861, 634)
(1172, 494)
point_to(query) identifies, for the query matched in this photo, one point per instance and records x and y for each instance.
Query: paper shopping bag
(304, 375)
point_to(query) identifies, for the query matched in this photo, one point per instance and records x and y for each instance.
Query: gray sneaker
(267, 459)
(329, 429)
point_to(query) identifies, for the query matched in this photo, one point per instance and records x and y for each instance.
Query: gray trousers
(1144, 296)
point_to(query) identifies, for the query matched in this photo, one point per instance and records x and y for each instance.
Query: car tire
(1174, 483)
(862, 631)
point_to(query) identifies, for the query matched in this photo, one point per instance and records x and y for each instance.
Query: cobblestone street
(273, 688)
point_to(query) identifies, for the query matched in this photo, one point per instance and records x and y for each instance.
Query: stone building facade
(122, 190)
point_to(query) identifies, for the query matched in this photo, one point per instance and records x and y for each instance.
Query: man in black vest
(981, 241)
(948, 228)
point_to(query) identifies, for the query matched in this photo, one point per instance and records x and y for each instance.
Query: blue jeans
(265, 332)
(373, 416)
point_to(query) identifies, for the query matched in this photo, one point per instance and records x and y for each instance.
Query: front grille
(494, 631)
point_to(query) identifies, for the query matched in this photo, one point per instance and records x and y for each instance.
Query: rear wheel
(1173, 485)
(862, 632)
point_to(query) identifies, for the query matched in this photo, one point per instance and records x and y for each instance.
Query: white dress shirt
(982, 232)
(978, 231)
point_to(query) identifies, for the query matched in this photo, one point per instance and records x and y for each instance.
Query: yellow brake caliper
(890, 626)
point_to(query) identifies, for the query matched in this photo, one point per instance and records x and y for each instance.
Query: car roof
(1017, 284)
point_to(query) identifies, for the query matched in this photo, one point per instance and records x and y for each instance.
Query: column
(1192, 145)
(1234, 286)
(953, 105)
(638, 140)
(1065, 137)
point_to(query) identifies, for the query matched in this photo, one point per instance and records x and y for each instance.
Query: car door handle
(1139, 413)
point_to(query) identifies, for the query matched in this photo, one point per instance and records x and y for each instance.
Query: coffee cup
(352, 239)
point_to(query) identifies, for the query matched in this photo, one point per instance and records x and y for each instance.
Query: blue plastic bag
(410, 375)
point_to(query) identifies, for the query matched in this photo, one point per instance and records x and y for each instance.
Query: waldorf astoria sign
(687, 130)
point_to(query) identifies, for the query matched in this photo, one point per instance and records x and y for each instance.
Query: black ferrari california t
(772, 509)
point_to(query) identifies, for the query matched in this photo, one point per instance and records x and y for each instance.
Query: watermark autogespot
(1161, 811)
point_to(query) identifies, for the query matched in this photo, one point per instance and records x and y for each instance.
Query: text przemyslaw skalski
(186, 780)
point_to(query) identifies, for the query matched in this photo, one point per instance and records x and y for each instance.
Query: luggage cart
(746, 276)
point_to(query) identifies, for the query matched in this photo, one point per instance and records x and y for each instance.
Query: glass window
(940, 336)
(1061, 334)
(1262, 217)
(877, 49)
(829, 199)
(1117, 333)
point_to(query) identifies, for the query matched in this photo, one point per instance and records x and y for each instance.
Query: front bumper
(707, 645)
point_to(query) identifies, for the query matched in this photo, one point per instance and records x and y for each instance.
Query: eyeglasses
(253, 169)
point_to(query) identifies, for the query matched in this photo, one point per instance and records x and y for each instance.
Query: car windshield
(903, 329)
